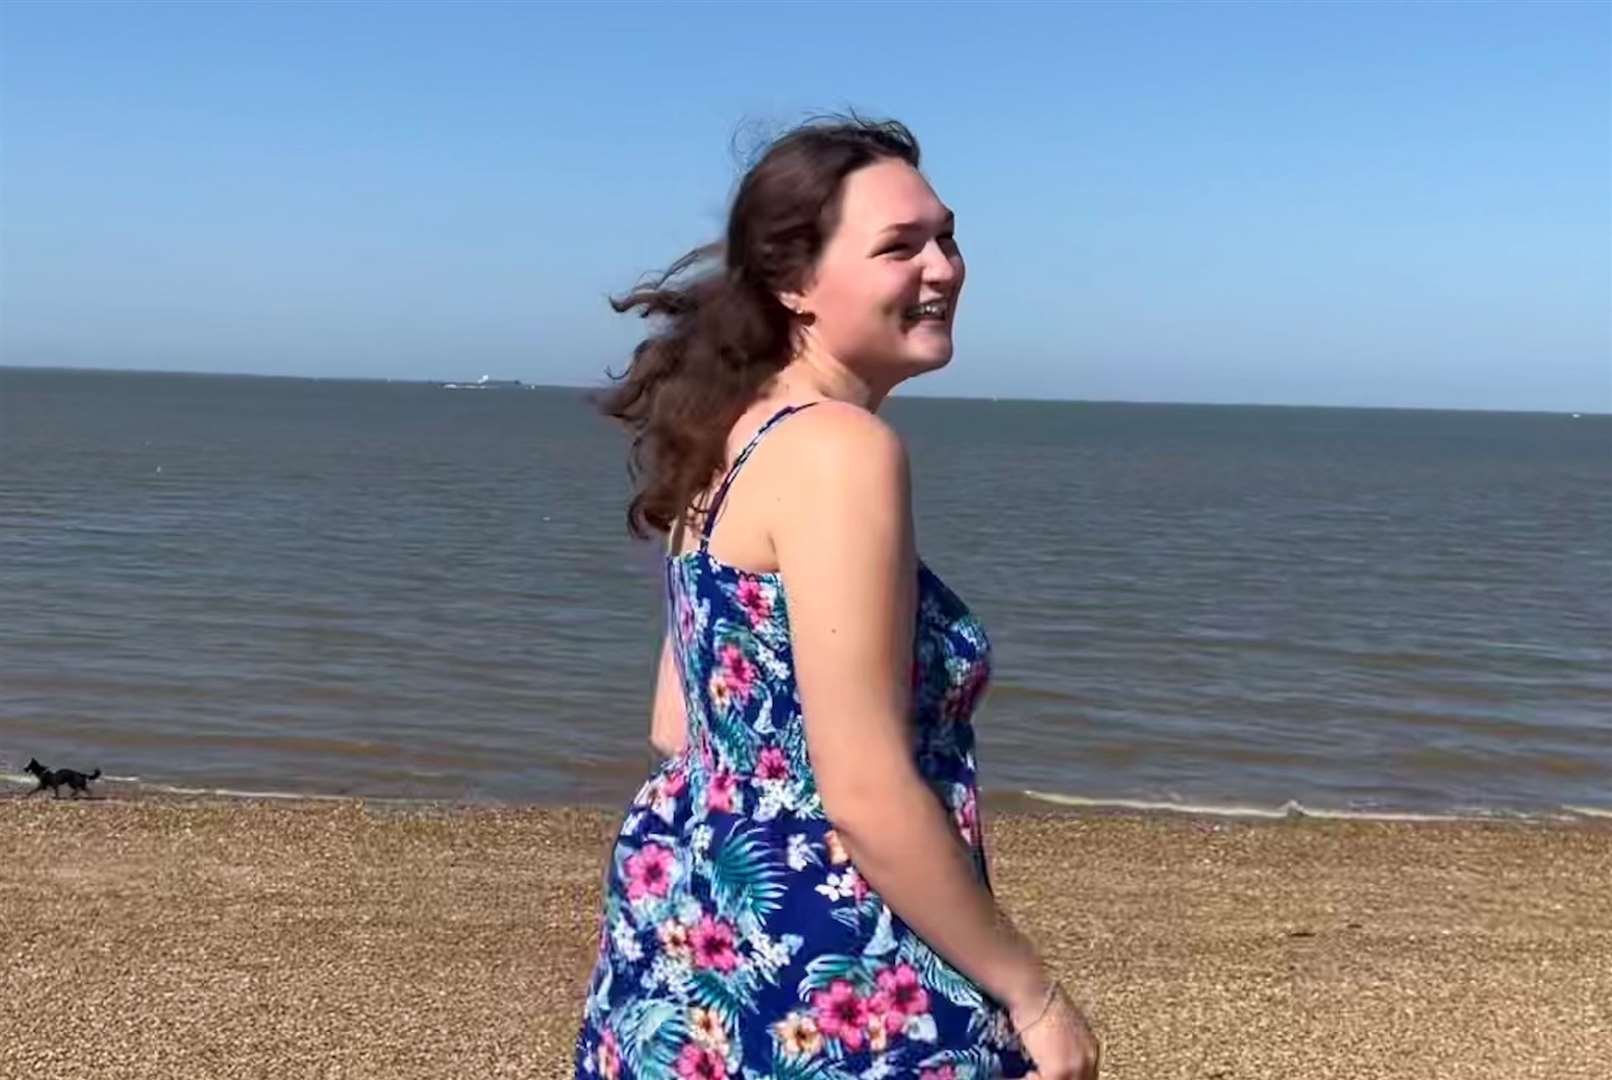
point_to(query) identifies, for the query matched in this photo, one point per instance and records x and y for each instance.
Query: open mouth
(929, 311)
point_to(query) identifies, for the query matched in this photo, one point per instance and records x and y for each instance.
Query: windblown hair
(726, 333)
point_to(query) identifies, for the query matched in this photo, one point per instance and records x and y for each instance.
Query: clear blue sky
(1396, 204)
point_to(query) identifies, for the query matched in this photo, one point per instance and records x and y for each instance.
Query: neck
(815, 373)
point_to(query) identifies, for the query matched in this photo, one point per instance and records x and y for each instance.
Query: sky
(1350, 204)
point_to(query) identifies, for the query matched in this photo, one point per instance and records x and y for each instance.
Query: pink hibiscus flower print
(609, 1055)
(899, 996)
(755, 600)
(685, 622)
(698, 1062)
(649, 871)
(945, 1072)
(737, 672)
(673, 783)
(883, 1021)
(772, 765)
(712, 940)
(841, 1014)
(719, 792)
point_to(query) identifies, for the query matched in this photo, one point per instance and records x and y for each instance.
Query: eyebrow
(949, 219)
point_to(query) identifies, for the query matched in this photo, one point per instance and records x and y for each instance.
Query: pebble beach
(163, 938)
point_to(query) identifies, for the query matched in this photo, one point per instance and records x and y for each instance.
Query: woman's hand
(1058, 1040)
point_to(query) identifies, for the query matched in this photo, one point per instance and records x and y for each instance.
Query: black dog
(78, 783)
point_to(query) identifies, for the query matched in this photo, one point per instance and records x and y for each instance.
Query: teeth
(935, 308)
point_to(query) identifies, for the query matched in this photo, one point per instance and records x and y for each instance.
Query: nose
(941, 268)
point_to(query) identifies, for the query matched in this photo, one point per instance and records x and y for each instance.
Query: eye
(945, 239)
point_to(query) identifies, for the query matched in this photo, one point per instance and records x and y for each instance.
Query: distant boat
(487, 382)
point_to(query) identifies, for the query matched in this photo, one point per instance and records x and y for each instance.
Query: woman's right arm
(844, 542)
(668, 717)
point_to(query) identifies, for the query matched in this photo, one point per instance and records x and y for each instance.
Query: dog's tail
(96, 775)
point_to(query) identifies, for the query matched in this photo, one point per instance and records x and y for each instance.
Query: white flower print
(769, 953)
(920, 1028)
(800, 854)
(776, 953)
(626, 941)
(701, 839)
(773, 799)
(689, 910)
(674, 971)
(840, 886)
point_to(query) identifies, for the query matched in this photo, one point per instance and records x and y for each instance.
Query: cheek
(871, 305)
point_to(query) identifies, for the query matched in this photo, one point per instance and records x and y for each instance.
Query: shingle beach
(165, 938)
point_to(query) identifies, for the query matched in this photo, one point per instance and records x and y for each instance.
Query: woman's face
(893, 250)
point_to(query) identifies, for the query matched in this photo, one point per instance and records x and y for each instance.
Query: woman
(801, 889)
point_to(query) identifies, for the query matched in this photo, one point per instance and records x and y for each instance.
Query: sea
(389, 589)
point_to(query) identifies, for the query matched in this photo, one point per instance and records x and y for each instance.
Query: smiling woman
(789, 275)
(802, 888)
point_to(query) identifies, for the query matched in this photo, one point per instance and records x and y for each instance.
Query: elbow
(863, 808)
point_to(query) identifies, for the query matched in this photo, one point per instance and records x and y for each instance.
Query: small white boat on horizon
(487, 382)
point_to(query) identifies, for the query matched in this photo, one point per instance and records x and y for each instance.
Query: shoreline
(196, 936)
(993, 800)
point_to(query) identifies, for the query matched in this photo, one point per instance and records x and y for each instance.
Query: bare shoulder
(843, 491)
(834, 439)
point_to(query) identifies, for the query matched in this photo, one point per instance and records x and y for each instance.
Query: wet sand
(175, 938)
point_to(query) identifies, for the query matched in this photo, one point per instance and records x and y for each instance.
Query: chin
(931, 363)
(940, 353)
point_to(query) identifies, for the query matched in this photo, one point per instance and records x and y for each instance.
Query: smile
(933, 309)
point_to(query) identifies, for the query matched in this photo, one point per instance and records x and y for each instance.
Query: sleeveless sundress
(737, 939)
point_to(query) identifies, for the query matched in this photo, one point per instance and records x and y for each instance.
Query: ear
(794, 301)
(798, 297)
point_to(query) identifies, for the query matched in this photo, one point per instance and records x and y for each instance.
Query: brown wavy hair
(726, 333)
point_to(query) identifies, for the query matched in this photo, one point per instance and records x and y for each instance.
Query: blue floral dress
(737, 939)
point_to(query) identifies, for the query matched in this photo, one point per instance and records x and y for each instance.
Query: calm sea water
(393, 589)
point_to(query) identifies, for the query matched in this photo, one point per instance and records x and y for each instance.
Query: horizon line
(431, 381)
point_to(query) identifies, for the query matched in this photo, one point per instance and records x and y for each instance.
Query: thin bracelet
(1052, 992)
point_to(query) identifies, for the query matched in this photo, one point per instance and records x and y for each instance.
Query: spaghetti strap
(708, 523)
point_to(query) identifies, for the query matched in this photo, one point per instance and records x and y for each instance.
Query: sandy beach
(175, 938)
